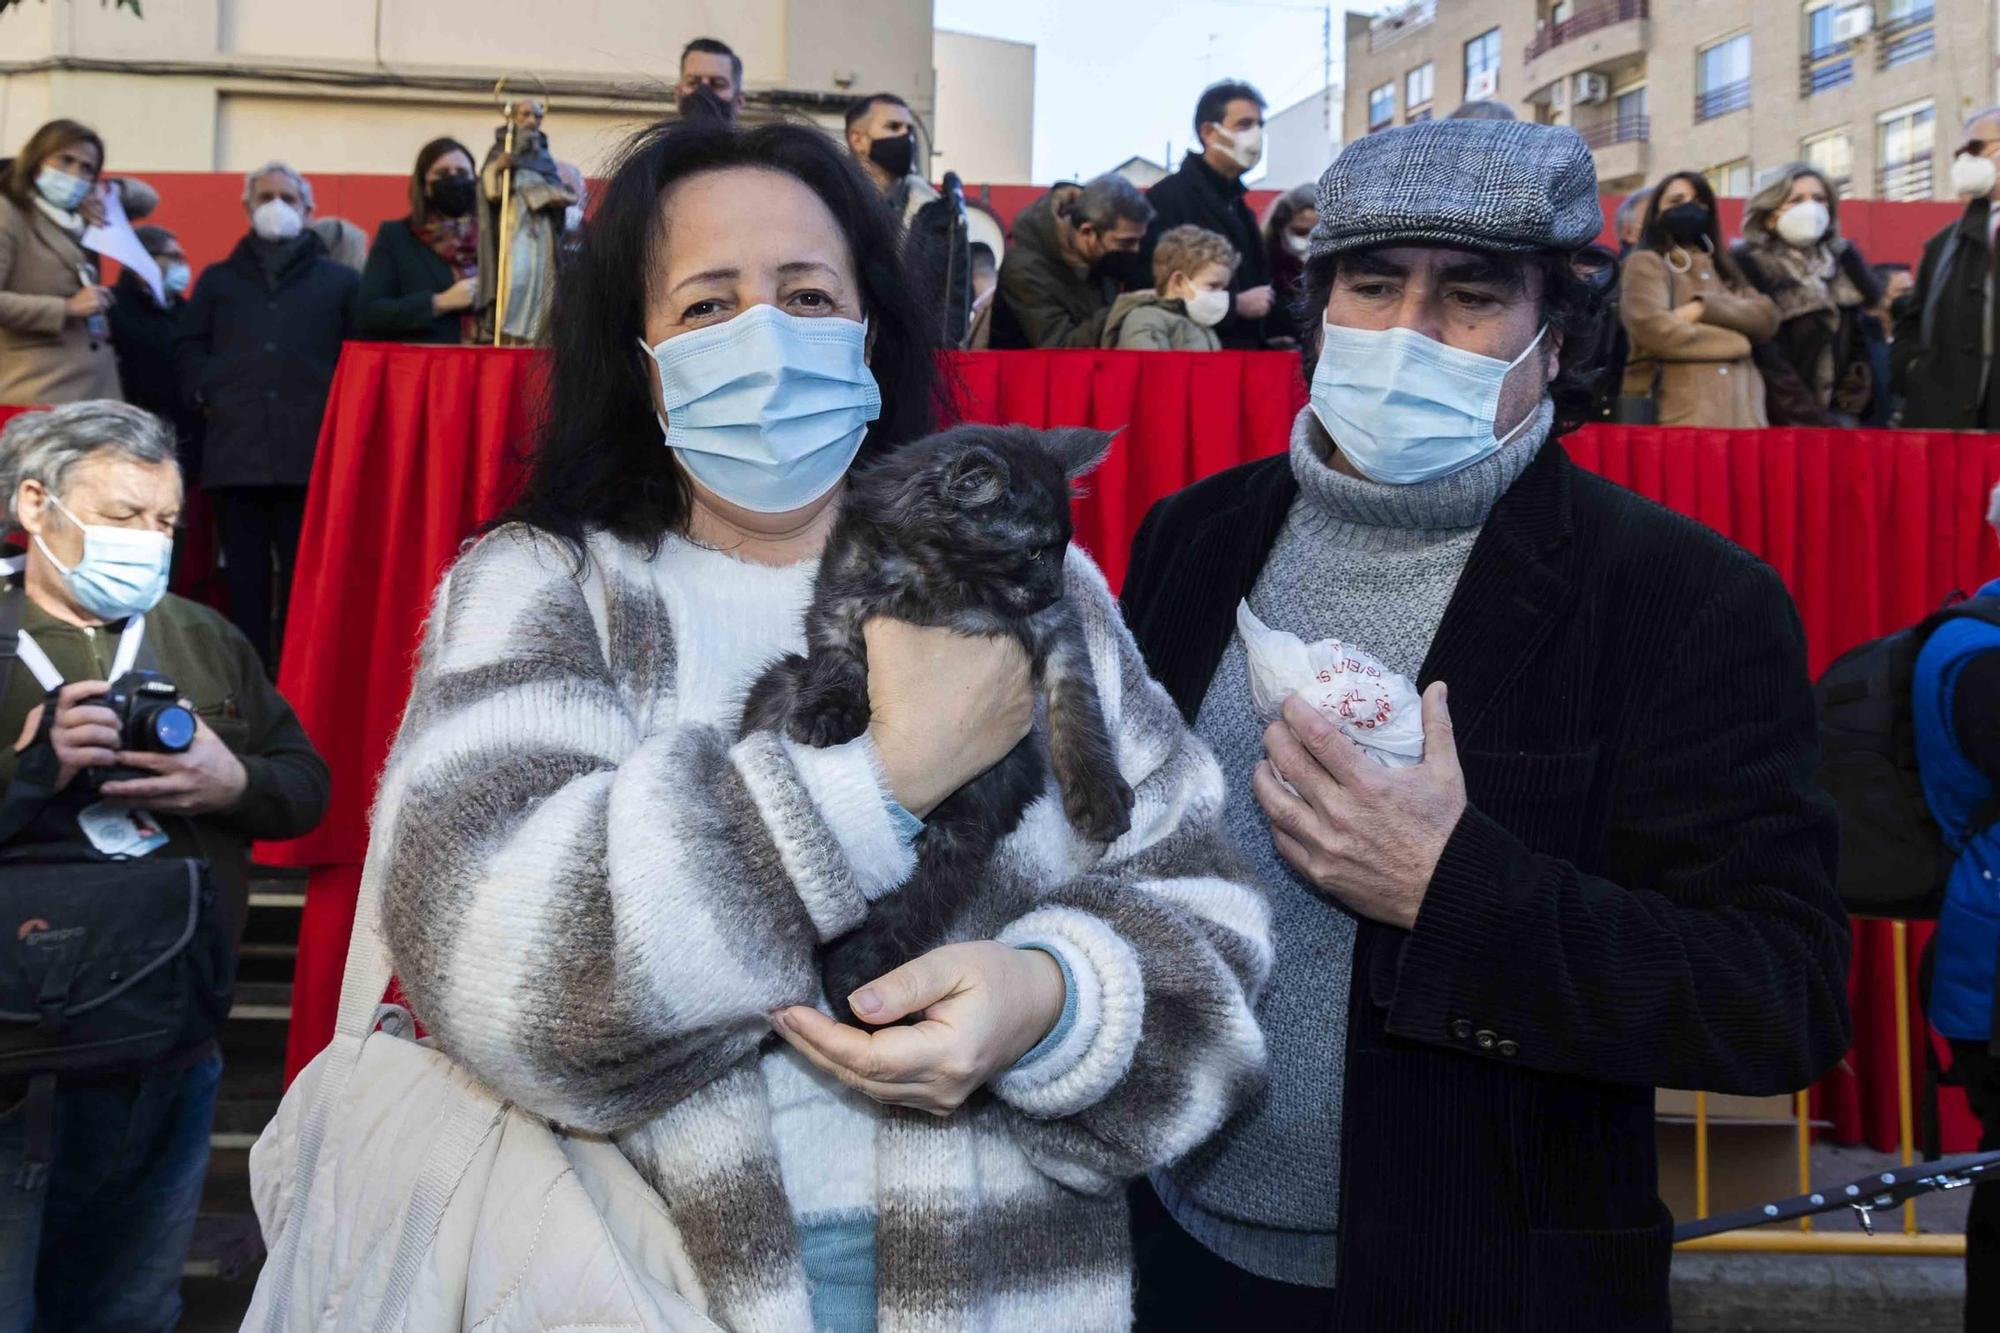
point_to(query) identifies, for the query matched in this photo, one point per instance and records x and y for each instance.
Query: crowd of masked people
(1567, 898)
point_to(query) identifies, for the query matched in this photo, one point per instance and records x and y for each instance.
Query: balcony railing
(1626, 129)
(1583, 23)
(1721, 100)
(1391, 28)
(1912, 37)
(1828, 67)
(1904, 180)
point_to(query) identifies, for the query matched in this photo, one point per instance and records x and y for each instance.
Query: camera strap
(131, 646)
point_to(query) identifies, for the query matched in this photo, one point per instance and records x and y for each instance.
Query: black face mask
(895, 156)
(1685, 224)
(451, 196)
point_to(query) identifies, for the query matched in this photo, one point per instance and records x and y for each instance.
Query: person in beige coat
(1691, 318)
(55, 344)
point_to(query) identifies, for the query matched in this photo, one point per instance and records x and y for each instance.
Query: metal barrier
(1805, 1240)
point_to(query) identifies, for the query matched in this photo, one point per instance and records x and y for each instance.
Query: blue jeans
(100, 1242)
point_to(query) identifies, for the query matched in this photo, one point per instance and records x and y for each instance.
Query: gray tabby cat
(966, 530)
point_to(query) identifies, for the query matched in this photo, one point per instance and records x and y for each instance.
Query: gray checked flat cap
(1502, 185)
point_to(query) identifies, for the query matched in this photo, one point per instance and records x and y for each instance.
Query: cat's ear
(1077, 448)
(977, 477)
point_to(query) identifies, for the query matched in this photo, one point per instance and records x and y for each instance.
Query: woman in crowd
(1287, 231)
(1693, 320)
(345, 243)
(577, 705)
(422, 275)
(1819, 369)
(55, 342)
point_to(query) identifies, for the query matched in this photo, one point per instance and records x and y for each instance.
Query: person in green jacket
(422, 278)
(99, 1240)
(1192, 267)
(1054, 290)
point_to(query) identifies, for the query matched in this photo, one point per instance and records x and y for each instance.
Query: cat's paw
(827, 722)
(1099, 808)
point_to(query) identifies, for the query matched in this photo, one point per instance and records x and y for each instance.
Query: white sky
(1119, 77)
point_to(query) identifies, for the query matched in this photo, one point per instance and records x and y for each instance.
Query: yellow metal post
(1802, 1103)
(1700, 1155)
(1899, 934)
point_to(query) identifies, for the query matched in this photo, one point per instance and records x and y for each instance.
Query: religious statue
(523, 200)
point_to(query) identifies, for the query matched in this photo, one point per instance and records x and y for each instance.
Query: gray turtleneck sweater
(1373, 565)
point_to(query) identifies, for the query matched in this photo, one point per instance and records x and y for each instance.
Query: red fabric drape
(1868, 529)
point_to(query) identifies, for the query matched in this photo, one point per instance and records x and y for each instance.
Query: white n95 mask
(1403, 408)
(768, 409)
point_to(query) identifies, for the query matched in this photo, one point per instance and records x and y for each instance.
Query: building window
(1828, 62)
(1418, 86)
(1832, 154)
(1482, 66)
(1381, 106)
(1420, 115)
(1722, 78)
(1632, 120)
(1731, 179)
(1905, 140)
(1908, 33)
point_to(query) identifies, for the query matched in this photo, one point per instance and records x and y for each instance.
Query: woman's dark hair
(1575, 302)
(599, 461)
(427, 156)
(1653, 236)
(18, 183)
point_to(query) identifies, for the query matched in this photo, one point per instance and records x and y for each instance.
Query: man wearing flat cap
(1610, 871)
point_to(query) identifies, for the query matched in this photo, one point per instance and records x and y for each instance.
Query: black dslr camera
(151, 717)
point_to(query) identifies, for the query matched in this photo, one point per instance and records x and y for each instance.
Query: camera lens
(169, 729)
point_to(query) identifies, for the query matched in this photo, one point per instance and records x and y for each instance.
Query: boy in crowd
(1192, 267)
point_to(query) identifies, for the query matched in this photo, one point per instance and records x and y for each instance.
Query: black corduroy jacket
(1640, 893)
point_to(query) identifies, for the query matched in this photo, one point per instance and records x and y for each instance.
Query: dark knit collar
(1195, 166)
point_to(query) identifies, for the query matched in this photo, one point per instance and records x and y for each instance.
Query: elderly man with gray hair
(101, 1170)
(1941, 360)
(1055, 290)
(257, 349)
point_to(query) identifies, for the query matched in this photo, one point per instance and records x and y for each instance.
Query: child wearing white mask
(1192, 267)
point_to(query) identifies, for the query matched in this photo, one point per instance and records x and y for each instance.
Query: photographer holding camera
(142, 750)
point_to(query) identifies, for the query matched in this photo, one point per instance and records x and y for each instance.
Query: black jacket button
(1509, 1047)
(1461, 1029)
(1486, 1038)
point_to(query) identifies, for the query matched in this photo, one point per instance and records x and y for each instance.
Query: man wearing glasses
(1942, 359)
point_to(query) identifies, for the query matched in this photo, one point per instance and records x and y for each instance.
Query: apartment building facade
(1872, 92)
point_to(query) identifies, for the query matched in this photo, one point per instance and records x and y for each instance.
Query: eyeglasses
(1978, 147)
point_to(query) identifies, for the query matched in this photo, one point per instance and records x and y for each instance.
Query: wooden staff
(506, 237)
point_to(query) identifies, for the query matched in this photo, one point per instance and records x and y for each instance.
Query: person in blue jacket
(1955, 694)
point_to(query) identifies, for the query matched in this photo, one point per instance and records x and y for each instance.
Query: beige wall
(985, 119)
(233, 82)
(1959, 77)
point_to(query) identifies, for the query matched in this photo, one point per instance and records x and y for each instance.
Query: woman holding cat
(603, 904)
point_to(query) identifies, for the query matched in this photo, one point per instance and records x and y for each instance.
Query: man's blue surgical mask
(768, 409)
(122, 572)
(1403, 408)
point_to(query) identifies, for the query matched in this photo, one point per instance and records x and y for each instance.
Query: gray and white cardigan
(594, 902)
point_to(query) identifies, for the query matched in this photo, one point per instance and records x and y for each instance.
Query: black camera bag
(108, 965)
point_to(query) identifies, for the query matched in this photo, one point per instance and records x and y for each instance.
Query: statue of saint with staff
(523, 198)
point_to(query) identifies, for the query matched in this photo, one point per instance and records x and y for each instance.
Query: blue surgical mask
(61, 189)
(1404, 408)
(768, 409)
(122, 573)
(177, 276)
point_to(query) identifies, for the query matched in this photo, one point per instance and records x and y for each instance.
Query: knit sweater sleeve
(1168, 940)
(593, 912)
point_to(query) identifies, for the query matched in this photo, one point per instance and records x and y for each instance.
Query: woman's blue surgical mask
(769, 409)
(62, 189)
(122, 572)
(1403, 408)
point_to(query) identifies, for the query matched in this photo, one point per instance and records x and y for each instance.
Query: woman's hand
(88, 301)
(946, 707)
(91, 210)
(459, 296)
(984, 1006)
(1690, 310)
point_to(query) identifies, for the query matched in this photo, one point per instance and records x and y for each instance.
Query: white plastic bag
(1373, 706)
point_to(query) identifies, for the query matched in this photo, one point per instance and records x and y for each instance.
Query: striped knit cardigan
(594, 902)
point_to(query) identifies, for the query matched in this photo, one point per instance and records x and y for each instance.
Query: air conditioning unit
(1854, 23)
(1482, 85)
(1589, 88)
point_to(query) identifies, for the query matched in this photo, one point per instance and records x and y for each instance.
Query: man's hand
(84, 735)
(984, 1006)
(1255, 302)
(200, 780)
(1364, 834)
